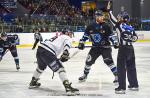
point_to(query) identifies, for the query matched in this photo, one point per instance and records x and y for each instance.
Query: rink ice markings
(74, 69)
(92, 85)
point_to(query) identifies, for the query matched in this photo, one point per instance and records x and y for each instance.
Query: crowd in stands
(47, 14)
(50, 12)
(50, 7)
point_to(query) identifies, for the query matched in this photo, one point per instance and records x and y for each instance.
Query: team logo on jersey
(96, 37)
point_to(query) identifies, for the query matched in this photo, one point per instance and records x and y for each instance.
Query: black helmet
(124, 15)
(66, 30)
(3, 34)
(98, 13)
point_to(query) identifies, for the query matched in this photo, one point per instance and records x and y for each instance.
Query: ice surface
(99, 84)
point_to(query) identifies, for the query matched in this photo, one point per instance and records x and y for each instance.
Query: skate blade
(120, 92)
(77, 93)
(81, 81)
(73, 93)
(18, 68)
(134, 89)
(32, 87)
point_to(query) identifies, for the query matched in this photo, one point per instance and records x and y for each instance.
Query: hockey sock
(62, 74)
(16, 59)
(37, 73)
(113, 68)
(87, 69)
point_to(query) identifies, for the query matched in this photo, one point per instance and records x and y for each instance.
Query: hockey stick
(96, 46)
(5, 52)
(78, 50)
(75, 53)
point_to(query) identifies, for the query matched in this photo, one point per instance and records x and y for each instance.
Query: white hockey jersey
(57, 45)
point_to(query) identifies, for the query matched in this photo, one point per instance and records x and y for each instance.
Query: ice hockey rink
(99, 84)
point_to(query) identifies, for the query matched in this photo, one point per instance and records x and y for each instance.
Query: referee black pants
(126, 63)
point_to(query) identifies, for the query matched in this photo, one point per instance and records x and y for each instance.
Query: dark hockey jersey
(99, 34)
(10, 41)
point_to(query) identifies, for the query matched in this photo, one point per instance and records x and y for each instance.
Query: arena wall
(27, 39)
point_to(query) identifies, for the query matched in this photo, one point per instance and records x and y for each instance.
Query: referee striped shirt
(119, 29)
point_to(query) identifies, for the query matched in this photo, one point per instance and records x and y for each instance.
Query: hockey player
(47, 54)
(100, 34)
(37, 37)
(126, 56)
(8, 42)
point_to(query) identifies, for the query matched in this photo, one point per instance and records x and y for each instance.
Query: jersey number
(127, 36)
(53, 38)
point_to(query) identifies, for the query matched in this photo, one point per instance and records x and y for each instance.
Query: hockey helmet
(98, 13)
(3, 34)
(64, 31)
(67, 32)
(124, 15)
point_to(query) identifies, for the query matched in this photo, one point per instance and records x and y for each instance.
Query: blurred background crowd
(51, 15)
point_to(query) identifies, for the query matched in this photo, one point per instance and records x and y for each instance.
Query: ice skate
(69, 89)
(119, 91)
(83, 78)
(17, 67)
(34, 83)
(133, 88)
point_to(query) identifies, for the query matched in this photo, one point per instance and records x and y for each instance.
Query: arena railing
(42, 28)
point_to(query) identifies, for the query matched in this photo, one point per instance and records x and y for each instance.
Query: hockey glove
(33, 48)
(81, 45)
(134, 38)
(65, 56)
(116, 45)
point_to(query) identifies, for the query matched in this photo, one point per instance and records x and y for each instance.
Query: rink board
(27, 39)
